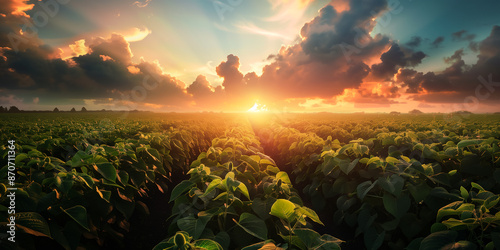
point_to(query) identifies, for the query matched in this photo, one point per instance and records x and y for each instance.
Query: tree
(84, 109)
(2, 109)
(14, 109)
(415, 112)
(56, 110)
(73, 110)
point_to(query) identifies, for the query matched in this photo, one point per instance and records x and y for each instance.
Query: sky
(234, 55)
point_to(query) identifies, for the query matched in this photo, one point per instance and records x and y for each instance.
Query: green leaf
(164, 245)
(310, 238)
(454, 208)
(491, 202)
(283, 176)
(420, 191)
(311, 214)
(180, 189)
(458, 225)
(213, 184)
(372, 160)
(329, 243)
(396, 206)
(347, 166)
(32, 223)
(283, 209)
(243, 189)
(392, 184)
(392, 160)
(253, 225)
(123, 177)
(328, 165)
(20, 157)
(475, 185)
(223, 239)
(466, 143)
(438, 240)
(107, 170)
(79, 214)
(365, 187)
(264, 245)
(451, 151)
(194, 226)
(208, 244)
(464, 193)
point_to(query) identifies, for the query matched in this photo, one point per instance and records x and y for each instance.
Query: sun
(258, 108)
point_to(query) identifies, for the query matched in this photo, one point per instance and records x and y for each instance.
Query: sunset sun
(257, 107)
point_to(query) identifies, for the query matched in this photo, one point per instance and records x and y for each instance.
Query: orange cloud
(133, 69)
(19, 7)
(79, 48)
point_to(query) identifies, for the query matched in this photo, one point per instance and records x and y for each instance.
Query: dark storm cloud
(115, 47)
(414, 42)
(459, 80)
(394, 58)
(438, 41)
(457, 56)
(101, 73)
(462, 36)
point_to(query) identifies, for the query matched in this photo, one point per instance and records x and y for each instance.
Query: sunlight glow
(258, 108)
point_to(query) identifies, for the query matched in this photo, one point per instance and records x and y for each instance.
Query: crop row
(81, 182)
(237, 198)
(435, 181)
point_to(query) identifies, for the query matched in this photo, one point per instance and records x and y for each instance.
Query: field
(139, 180)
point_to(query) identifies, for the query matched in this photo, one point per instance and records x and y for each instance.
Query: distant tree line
(12, 109)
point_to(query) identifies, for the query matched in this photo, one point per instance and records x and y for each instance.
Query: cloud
(438, 41)
(229, 70)
(104, 71)
(462, 36)
(372, 92)
(414, 42)
(78, 48)
(457, 56)
(460, 82)
(10, 100)
(12, 17)
(116, 47)
(142, 4)
(321, 65)
(335, 60)
(394, 58)
(200, 87)
(136, 34)
(16, 7)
